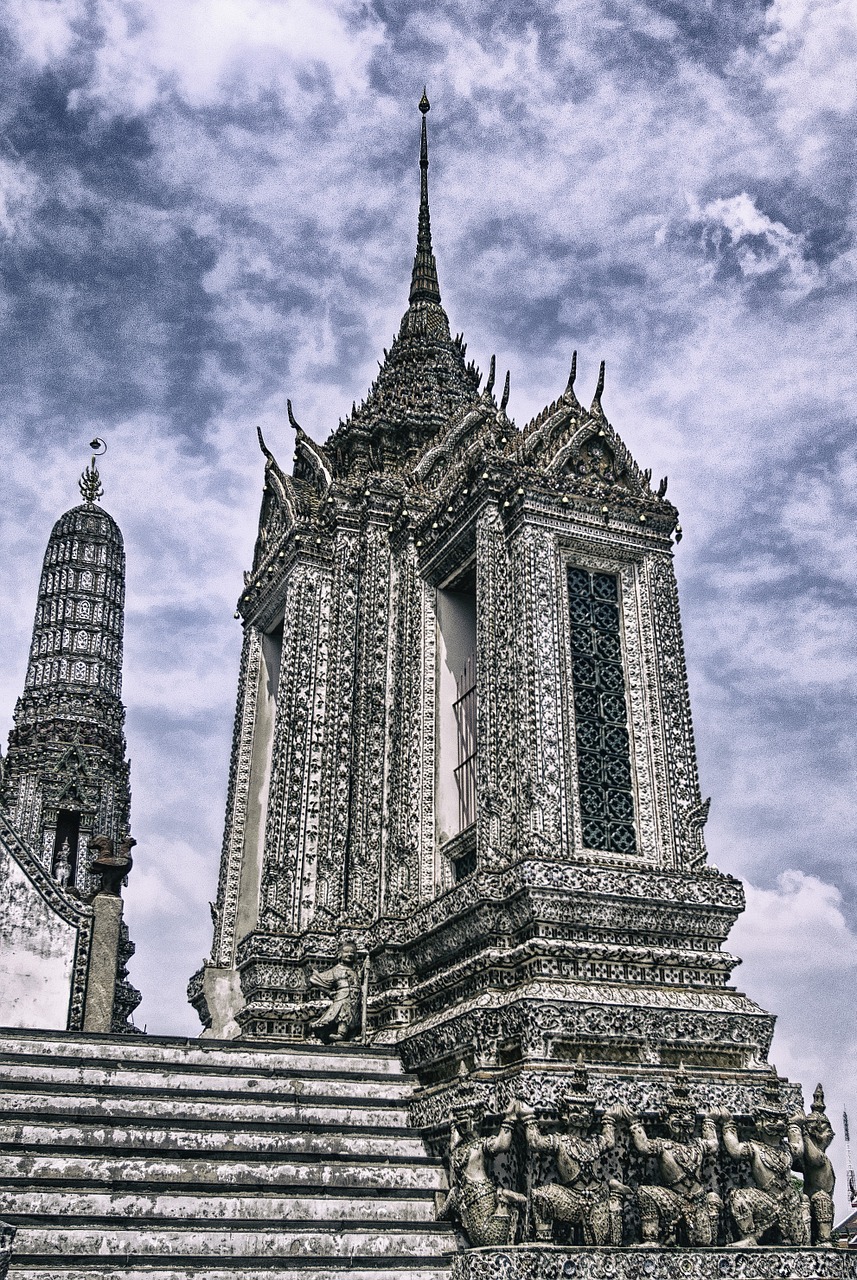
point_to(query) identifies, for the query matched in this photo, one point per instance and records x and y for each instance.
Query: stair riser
(239, 1111)
(90, 1077)
(28, 1171)
(204, 1269)
(194, 1053)
(216, 1206)
(219, 1142)
(287, 1242)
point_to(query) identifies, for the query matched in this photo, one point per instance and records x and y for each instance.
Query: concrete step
(241, 1206)
(177, 1052)
(121, 1170)
(288, 1239)
(428, 1268)
(69, 1073)
(271, 1141)
(15, 1100)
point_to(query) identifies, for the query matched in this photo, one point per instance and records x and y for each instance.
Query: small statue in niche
(341, 1019)
(583, 1197)
(809, 1137)
(62, 866)
(775, 1203)
(679, 1210)
(486, 1213)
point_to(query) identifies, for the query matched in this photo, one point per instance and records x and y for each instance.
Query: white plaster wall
(456, 625)
(260, 778)
(36, 953)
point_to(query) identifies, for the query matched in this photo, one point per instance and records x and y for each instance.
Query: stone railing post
(106, 926)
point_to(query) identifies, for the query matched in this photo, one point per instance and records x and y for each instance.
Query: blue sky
(207, 206)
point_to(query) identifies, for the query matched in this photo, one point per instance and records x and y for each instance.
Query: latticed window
(465, 719)
(600, 713)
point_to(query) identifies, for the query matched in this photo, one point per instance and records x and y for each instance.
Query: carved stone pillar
(496, 681)
(538, 723)
(291, 839)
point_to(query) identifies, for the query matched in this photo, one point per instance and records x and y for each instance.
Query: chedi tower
(464, 816)
(65, 798)
(66, 772)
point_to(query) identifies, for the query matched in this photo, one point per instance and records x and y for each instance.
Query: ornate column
(496, 676)
(536, 597)
(291, 838)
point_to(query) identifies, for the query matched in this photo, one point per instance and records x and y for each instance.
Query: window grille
(465, 720)
(603, 752)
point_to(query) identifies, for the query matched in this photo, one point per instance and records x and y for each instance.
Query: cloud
(800, 959)
(733, 231)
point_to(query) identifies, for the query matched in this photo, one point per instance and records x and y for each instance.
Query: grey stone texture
(172, 1158)
(552, 1262)
(104, 951)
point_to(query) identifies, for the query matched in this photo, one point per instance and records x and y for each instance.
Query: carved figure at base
(486, 1213)
(774, 1205)
(7, 1238)
(808, 1138)
(679, 1210)
(584, 1196)
(341, 1019)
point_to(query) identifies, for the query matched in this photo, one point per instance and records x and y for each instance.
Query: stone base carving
(555, 1262)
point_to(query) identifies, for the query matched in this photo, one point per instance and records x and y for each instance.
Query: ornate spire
(91, 488)
(424, 283)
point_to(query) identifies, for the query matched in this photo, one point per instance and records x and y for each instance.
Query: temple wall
(37, 952)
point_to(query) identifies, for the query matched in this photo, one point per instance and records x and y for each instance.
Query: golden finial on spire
(89, 483)
(425, 105)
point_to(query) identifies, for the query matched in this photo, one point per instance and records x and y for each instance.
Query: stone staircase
(169, 1159)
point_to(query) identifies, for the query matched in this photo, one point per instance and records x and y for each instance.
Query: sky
(207, 206)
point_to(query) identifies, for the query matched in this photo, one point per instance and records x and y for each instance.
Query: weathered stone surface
(40, 931)
(103, 957)
(188, 1158)
(554, 1262)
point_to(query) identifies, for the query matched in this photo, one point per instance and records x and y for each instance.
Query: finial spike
(424, 282)
(296, 426)
(91, 488)
(569, 386)
(599, 390)
(492, 371)
(505, 397)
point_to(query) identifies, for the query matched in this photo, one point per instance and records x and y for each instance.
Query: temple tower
(65, 847)
(66, 776)
(463, 745)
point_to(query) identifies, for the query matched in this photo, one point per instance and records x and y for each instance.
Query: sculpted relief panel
(616, 1177)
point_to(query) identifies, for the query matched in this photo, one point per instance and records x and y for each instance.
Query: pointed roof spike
(492, 372)
(599, 390)
(292, 419)
(505, 398)
(424, 282)
(569, 386)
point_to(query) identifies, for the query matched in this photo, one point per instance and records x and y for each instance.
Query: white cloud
(800, 961)
(216, 51)
(45, 30)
